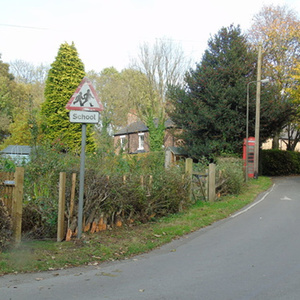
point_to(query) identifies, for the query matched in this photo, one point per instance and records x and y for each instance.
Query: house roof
(17, 150)
(139, 126)
(177, 151)
(169, 123)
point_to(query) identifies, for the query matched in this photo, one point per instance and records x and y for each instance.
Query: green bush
(5, 228)
(7, 165)
(278, 162)
(229, 175)
(41, 189)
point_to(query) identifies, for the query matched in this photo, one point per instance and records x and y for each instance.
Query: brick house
(134, 138)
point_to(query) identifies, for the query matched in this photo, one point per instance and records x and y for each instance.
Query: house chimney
(132, 117)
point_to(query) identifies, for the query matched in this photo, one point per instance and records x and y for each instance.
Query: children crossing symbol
(85, 98)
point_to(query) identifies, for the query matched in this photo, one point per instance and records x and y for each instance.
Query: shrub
(5, 228)
(7, 165)
(278, 162)
(229, 175)
(41, 189)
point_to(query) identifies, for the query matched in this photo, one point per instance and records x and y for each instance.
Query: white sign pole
(81, 181)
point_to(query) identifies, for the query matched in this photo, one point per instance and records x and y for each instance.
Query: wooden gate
(11, 193)
(202, 184)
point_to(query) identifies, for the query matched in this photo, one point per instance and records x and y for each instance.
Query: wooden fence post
(17, 204)
(167, 159)
(150, 180)
(189, 173)
(206, 185)
(73, 188)
(212, 182)
(61, 206)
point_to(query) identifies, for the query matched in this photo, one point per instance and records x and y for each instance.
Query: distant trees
(141, 89)
(277, 29)
(28, 95)
(211, 108)
(207, 102)
(6, 99)
(163, 64)
(120, 93)
(64, 76)
(27, 72)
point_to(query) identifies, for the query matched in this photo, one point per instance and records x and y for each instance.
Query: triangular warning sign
(85, 98)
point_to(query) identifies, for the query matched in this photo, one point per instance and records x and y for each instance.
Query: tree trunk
(275, 142)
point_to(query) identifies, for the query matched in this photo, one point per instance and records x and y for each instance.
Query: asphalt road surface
(254, 254)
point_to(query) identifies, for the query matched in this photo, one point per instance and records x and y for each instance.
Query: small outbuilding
(173, 155)
(17, 153)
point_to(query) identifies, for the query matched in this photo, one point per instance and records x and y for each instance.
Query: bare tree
(26, 72)
(164, 64)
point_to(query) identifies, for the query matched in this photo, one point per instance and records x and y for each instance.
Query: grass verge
(120, 243)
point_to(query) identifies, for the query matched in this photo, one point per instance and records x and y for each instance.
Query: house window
(141, 141)
(122, 141)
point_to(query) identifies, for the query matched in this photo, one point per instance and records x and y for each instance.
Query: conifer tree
(64, 76)
(211, 109)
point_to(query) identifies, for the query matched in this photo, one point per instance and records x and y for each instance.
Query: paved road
(254, 254)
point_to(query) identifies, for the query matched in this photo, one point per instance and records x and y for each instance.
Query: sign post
(81, 181)
(84, 108)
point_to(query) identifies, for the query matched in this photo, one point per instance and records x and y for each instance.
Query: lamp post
(247, 120)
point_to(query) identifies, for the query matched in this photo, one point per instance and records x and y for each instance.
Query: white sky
(108, 32)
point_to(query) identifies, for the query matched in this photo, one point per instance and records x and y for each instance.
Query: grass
(120, 243)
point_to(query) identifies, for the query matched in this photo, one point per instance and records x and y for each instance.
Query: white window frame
(122, 141)
(141, 141)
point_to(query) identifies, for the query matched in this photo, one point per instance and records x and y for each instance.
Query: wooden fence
(11, 193)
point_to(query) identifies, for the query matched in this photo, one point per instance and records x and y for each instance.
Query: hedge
(278, 162)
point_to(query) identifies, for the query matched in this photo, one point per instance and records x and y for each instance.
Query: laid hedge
(278, 162)
(106, 192)
(131, 201)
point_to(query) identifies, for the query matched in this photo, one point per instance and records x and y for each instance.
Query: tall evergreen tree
(211, 109)
(64, 76)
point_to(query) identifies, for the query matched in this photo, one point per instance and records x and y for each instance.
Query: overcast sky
(108, 32)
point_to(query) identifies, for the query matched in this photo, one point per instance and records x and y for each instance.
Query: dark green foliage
(65, 75)
(211, 109)
(5, 228)
(278, 162)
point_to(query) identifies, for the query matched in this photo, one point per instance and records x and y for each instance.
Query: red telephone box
(250, 159)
